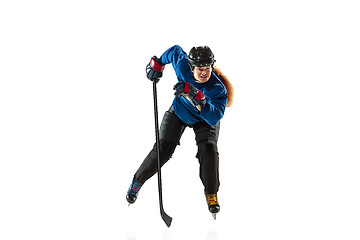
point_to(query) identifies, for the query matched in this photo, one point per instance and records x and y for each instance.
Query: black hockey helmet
(201, 56)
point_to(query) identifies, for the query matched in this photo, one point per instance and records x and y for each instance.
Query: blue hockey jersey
(214, 91)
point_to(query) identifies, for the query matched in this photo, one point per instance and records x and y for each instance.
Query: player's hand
(154, 69)
(191, 93)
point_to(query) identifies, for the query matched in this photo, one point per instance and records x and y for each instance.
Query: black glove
(154, 69)
(191, 93)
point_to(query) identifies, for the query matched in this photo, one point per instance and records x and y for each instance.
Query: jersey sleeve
(173, 55)
(213, 111)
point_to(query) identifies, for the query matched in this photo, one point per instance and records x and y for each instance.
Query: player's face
(202, 74)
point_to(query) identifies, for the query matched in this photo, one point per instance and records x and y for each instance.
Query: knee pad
(207, 149)
(166, 151)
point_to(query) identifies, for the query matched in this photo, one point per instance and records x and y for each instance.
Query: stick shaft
(167, 219)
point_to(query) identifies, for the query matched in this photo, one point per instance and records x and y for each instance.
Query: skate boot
(213, 203)
(133, 191)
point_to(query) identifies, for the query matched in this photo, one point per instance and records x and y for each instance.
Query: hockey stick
(167, 219)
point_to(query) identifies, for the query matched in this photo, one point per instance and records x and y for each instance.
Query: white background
(77, 119)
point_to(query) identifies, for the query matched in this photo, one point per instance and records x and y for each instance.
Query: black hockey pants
(170, 132)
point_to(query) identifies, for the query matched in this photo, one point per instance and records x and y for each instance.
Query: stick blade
(167, 219)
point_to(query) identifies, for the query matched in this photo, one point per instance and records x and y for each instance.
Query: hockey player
(201, 96)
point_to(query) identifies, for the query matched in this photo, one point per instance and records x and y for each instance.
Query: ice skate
(133, 191)
(213, 204)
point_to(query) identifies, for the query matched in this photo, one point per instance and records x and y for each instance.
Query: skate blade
(214, 215)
